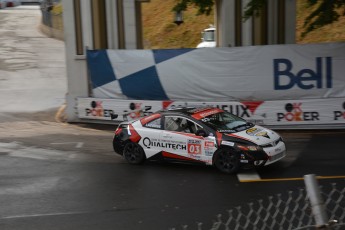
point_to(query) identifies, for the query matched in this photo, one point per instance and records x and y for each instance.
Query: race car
(206, 135)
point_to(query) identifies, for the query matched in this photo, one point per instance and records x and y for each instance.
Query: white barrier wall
(290, 86)
(312, 113)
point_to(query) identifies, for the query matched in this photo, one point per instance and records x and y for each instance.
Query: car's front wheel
(226, 160)
(134, 153)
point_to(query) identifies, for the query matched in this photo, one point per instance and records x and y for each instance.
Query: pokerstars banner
(253, 73)
(312, 113)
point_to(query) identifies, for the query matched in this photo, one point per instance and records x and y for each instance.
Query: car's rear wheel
(134, 153)
(226, 160)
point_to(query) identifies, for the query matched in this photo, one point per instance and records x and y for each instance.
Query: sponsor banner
(275, 113)
(252, 73)
(126, 110)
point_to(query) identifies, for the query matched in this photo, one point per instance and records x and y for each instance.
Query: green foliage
(253, 8)
(325, 13)
(204, 6)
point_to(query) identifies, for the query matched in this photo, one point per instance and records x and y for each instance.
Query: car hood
(257, 134)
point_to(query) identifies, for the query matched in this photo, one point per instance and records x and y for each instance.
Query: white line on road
(42, 215)
(248, 176)
(77, 144)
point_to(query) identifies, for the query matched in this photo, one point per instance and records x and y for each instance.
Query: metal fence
(51, 19)
(304, 209)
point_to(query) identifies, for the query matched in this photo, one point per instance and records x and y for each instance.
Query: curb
(59, 116)
(51, 32)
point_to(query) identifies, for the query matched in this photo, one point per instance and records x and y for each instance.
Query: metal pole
(316, 202)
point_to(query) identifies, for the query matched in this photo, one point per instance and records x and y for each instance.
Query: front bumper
(275, 153)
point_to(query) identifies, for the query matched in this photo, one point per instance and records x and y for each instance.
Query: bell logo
(305, 79)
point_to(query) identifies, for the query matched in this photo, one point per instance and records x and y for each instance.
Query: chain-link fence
(291, 211)
(52, 15)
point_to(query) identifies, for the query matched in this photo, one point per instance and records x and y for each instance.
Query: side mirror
(201, 133)
(113, 116)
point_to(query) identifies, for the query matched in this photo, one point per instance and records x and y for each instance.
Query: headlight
(249, 147)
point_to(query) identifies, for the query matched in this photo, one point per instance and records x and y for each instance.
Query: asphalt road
(55, 175)
(64, 176)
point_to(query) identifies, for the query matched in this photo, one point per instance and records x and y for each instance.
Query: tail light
(134, 136)
(118, 131)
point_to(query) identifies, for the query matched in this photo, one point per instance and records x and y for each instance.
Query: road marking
(77, 144)
(42, 215)
(290, 179)
(248, 176)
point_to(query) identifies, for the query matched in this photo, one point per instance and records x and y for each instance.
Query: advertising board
(286, 113)
(253, 73)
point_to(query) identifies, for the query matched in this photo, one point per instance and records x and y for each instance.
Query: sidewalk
(32, 66)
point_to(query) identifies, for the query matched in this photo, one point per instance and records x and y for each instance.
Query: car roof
(187, 111)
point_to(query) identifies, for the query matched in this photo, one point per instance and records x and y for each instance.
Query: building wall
(94, 24)
(75, 62)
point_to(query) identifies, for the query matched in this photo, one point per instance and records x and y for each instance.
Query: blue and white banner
(272, 72)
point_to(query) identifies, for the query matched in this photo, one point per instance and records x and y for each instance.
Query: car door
(150, 132)
(180, 141)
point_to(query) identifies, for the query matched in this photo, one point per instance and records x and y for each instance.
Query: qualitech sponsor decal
(339, 114)
(294, 112)
(148, 143)
(97, 110)
(285, 77)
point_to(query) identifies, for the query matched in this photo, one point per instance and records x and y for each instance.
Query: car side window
(155, 124)
(187, 126)
(180, 124)
(172, 123)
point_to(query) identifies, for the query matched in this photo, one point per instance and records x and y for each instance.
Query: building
(116, 24)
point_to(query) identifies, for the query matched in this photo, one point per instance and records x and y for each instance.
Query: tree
(204, 6)
(325, 12)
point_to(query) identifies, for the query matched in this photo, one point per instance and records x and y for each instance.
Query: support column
(130, 24)
(112, 25)
(290, 21)
(225, 22)
(247, 32)
(76, 69)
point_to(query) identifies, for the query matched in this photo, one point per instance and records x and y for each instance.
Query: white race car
(201, 135)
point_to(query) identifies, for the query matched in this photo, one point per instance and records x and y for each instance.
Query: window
(209, 36)
(78, 28)
(155, 124)
(180, 124)
(226, 122)
(99, 24)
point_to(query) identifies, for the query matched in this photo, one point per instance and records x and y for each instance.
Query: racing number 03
(194, 148)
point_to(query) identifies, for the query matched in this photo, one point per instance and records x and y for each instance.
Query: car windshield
(209, 36)
(225, 122)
